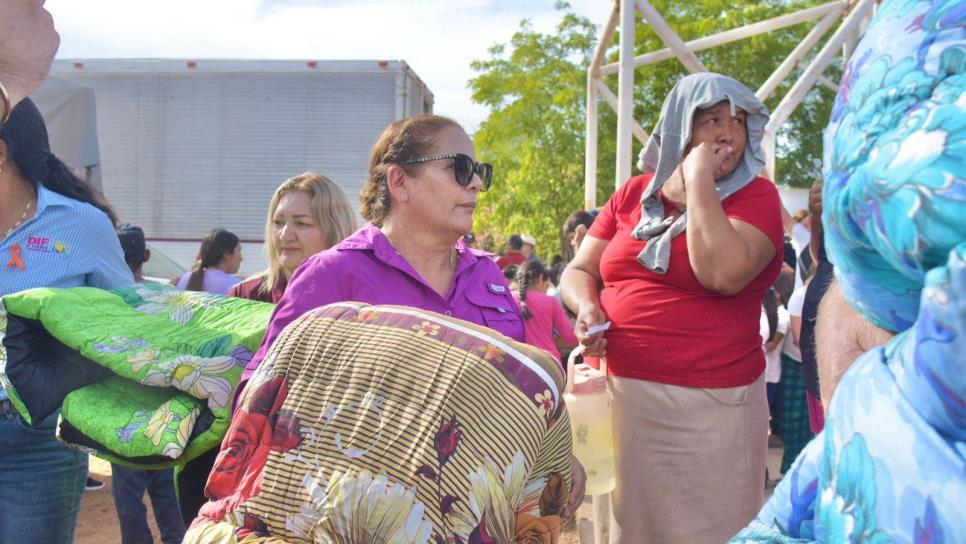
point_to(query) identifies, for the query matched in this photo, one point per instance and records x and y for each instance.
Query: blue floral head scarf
(894, 201)
(890, 464)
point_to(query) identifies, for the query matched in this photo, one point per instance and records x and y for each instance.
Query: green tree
(535, 88)
(534, 135)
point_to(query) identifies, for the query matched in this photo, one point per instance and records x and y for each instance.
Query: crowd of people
(727, 325)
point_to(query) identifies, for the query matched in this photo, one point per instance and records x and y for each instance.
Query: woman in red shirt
(679, 260)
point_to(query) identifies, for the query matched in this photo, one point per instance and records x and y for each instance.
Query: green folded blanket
(143, 375)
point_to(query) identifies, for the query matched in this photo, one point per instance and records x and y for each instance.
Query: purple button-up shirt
(365, 267)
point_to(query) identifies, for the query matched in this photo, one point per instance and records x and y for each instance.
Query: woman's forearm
(722, 260)
(774, 342)
(579, 288)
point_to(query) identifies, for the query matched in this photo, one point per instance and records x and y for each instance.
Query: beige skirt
(690, 461)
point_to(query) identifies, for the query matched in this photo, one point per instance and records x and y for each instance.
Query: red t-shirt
(669, 328)
(512, 257)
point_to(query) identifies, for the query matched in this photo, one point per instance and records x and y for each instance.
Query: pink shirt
(365, 267)
(547, 316)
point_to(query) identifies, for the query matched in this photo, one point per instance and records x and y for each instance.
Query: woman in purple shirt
(419, 200)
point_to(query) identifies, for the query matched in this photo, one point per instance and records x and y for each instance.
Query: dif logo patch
(42, 244)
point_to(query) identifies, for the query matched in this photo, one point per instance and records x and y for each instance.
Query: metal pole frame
(625, 92)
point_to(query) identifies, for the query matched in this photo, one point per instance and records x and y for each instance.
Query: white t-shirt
(773, 358)
(795, 303)
(216, 281)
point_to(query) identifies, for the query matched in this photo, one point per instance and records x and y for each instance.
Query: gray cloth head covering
(665, 149)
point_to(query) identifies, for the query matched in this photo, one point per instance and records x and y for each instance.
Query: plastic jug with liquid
(589, 404)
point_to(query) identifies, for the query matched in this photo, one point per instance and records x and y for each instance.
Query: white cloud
(437, 38)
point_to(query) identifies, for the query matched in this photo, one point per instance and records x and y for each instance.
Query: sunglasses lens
(463, 169)
(485, 170)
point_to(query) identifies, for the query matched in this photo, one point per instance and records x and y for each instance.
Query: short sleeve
(605, 224)
(800, 237)
(764, 330)
(759, 205)
(784, 321)
(107, 268)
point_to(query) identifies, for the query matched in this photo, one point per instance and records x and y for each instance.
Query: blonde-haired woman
(309, 213)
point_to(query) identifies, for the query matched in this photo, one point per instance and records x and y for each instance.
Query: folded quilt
(143, 375)
(391, 424)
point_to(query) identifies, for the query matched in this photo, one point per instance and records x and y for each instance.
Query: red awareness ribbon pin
(15, 259)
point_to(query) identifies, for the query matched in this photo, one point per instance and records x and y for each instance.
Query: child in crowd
(544, 319)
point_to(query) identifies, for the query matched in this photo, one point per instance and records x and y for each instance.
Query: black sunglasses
(463, 168)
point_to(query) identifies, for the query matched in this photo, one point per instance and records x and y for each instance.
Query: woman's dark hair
(554, 272)
(784, 285)
(213, 250)
(510, 272)
(29, 148)
(574, 220)
(770, 303)
(528, 273)
(403, 140)
(569, 226)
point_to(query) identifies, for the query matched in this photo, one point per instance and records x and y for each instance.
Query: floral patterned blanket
(142, 375)
(389, 424)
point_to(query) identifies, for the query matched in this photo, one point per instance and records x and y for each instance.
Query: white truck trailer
(190, 145)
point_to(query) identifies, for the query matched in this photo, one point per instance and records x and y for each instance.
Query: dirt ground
(97, 523)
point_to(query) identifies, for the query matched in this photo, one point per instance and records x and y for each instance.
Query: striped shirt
(65, 244)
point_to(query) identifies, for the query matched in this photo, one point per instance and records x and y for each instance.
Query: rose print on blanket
(258, 428)
(445, 443)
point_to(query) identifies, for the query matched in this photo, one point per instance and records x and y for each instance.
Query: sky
(437, 38)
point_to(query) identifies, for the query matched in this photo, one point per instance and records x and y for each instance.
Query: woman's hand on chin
(703, 162)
